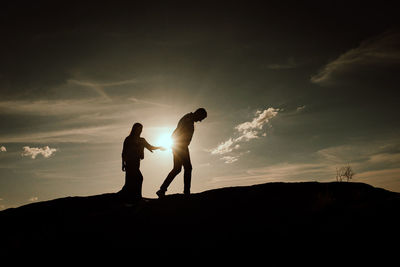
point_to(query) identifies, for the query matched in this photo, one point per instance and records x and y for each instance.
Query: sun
(165, 140)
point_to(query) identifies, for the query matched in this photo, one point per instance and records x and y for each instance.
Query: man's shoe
(160, 193)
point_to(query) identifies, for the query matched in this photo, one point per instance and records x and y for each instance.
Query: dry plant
(344, 173)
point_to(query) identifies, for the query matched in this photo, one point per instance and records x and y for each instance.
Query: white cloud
(34, 151)
(380, 50)
(33, 199)
(262, 118)
(247, 136)
(230, 159)
(246, 131)
(3, 149)
(225, 147)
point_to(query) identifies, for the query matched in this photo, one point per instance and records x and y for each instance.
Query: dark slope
(283, 215)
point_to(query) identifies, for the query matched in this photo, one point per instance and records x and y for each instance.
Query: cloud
(33, 199)
(3, 149)
(246, 131)
(230, 159)
(99, 87)
(76, 120)
(91, 134)
(385, 178)
(386, 158)
(364, 155)
(104, 84)
(374, 162)
(294, 171)
(34, 151)
(262, 117)
(381, 50)
(301, 108)
(225, 147)
(53, 107)
(284, 172)
(340, 154)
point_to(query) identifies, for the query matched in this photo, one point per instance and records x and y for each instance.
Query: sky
(293, 92)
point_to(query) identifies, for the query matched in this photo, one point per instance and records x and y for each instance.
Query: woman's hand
(162, 148)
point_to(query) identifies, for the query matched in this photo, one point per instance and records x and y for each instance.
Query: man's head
(200, 114)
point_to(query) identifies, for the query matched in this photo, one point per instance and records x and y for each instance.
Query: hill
(279, 215)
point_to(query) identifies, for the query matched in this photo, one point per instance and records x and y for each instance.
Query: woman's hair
(136, 129)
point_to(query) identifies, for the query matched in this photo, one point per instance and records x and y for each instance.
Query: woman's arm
(123, 156)
(151, 147)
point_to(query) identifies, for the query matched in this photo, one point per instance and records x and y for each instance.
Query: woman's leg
(132, 189)
(138, 185)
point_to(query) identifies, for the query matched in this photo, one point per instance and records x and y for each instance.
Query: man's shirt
(184, 131)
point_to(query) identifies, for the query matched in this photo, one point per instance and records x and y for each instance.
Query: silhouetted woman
(132, 153)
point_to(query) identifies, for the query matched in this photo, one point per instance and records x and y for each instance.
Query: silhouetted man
(180, 150)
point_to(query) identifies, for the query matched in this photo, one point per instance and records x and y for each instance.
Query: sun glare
(165, 140)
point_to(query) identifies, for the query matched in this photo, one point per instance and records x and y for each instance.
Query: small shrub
(344, 173)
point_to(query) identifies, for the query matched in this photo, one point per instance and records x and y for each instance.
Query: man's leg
(187, 176)
(172, 174)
